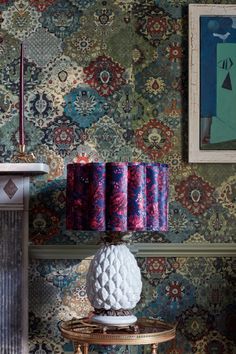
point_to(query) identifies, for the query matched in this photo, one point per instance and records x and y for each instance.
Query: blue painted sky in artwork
(213, 30)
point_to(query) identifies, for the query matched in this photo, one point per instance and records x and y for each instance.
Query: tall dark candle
(21, 89)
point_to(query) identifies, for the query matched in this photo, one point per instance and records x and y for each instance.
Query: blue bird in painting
(222, 36)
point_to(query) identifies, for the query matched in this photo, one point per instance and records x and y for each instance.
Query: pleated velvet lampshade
(116, 198)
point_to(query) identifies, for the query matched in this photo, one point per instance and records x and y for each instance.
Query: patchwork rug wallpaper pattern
(107, 81)
(197, 293)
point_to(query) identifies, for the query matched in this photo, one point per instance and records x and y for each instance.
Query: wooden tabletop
(145, 331)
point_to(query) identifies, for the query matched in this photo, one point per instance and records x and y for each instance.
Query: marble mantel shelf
(26, 169)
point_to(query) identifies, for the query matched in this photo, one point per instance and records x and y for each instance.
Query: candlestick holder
(22, 156)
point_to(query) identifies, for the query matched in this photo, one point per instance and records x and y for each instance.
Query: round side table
(83, 332)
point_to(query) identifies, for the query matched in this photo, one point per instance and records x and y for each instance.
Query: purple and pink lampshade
(117, 196)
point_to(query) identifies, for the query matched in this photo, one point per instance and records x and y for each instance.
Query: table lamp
(117, 198)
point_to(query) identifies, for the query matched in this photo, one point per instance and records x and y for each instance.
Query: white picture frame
(196, 154)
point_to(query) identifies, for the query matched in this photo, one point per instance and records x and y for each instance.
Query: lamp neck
(116, 238)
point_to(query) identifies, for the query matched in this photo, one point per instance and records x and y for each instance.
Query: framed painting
(212, 83)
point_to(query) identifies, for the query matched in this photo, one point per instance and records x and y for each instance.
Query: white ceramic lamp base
(114, 285)
(115, 320)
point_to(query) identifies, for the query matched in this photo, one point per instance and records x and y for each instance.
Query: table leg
(85, 348)
(154, 349)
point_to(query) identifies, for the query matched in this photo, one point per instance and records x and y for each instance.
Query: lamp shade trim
(117, 196)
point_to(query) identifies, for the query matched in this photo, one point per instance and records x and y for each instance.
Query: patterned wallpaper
(107, 81)
(197, 293)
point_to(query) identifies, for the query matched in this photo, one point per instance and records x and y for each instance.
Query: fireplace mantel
(14, 217)
(24, 169)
